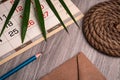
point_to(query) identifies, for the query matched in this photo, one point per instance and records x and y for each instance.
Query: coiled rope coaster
(101, 27)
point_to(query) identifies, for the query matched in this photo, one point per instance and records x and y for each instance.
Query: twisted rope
(101, 27)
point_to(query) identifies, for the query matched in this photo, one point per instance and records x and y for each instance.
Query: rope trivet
(101, 27)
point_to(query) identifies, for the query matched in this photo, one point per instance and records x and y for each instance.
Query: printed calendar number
(19, 9)
(3, 17)
(13, 32)
(45, 14)
(30, 23)
(10, 23)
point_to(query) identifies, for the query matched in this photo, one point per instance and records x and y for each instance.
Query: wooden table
(60, 48)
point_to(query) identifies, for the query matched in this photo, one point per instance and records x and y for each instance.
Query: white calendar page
(10, 41)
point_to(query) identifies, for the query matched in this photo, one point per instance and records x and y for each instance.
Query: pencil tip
(38, 55)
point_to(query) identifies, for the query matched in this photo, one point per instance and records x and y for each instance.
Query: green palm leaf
(68, 11)
(39, 14)
(9, 15)
(40, 18)
(25, 19)
(56, 13)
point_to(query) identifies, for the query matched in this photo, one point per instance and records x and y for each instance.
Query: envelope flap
(88, 71)
(77, 68)
(66, 71)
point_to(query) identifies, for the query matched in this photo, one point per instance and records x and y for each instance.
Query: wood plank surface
(61, 47)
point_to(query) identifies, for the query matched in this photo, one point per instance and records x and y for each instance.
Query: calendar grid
(7, 41)
(12, 33)
(10, 28)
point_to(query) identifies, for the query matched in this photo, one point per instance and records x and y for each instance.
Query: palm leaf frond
(39, 14)
(50, 4)
(40, 18)
(68, 11)
(9, 15)
(25, 19)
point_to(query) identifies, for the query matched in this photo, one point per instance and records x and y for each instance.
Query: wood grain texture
(60, 48)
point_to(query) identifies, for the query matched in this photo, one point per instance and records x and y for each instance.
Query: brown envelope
(77, 68)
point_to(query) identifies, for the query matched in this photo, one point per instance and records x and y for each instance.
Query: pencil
(20, 66)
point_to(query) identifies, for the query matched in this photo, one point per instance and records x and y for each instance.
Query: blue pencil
(20, 66)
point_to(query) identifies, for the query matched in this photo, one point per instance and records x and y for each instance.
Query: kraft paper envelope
(77, 68)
